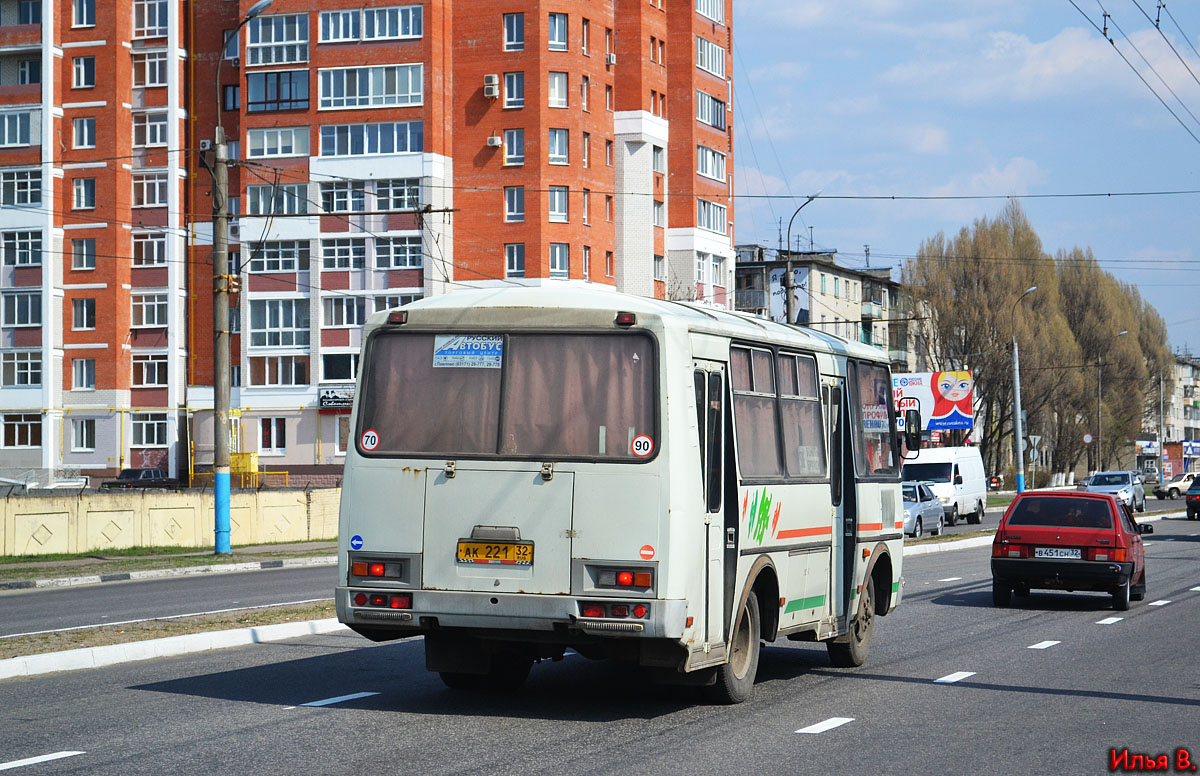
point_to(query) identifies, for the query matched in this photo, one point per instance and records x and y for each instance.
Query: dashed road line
(1109, 620)
(39, 759)
(829, 724)
(950, 579)
(340, 699)
(1195, 589)
(955, 677)
(1044, 644)
(1160, 602)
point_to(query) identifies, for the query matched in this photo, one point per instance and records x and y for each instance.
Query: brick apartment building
(385, 152)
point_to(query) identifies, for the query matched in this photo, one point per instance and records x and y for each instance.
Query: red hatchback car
(1069, 541)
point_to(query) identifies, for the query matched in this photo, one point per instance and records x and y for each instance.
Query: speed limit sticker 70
(370, 440)
(642, 446)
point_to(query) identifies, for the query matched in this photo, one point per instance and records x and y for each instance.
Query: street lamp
(1100, 408)
(221, 284)
(1018, 432)
(789, 281)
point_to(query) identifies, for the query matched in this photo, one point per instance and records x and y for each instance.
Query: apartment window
(398, 253)
(713, 9)
(83, 314)
(149, 429)
(278, 141)
(83, 374)
(703, 266)
(149, 249)
(710, 216)
(29, 71)
(84, 13)
(608, 152)
(558, 146)
(149, 129)
(21, 187)
(284, 199)
(608, 41)
(585, 88)
(660, 213)
(608, 207)
(586, 199)
(608, 97)
(343, 311)
(279, 256)
(514, 260)
(514, 146)
(369, 87)
(585, 36)
(149, 18)
(278, 39)
(608, 263)
(558, 90)
(22, 249)
(282, 90)
(558, 204)
(279, 370)
(659, 160)
(14, 128)
(83, 253)
(389, 137)
(718, 270)
(85, 72)
(150, 68)
(514, 90)
(274, 435)
(149, 189)
(29, 12)
(23, 309)
(587, 261)
(344, 197)
(710, 110)
(398, 194)
(149, 310)
(23, 430)
(393, 301)
(710, 163)
(20, 369)
(344, 253)
(587, 148)
(279, 322)
(660, 267)
(514, 203)
(653, 48)
(231, 99)
(149, 370)
(837, 288)
(392, 23)
(84, 194)
(514, 32)
(560, 260)
(339, 367)
(710, 57)
(84, 132)
(83, 435)
(556, 35)
(341, 26)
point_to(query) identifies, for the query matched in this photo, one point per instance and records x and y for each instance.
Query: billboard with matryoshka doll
(944, 398)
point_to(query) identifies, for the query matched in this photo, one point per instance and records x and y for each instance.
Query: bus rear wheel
(851, 650)
(735, 679)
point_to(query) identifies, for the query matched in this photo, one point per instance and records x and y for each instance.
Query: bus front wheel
(850, 650)
(735, 679)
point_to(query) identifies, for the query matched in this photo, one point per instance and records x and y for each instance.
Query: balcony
(751, 299)
(898, 355)
(18, 37)
(872, 311)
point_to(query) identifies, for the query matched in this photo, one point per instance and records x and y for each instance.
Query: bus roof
(690, 315)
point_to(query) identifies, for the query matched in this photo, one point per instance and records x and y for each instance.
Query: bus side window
(716, 456)
(835, 445)
(699, 379)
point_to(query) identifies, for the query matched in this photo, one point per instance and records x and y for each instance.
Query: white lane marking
(340, 699)
(828, 724)
(39, 759)
(167, 617)
(1196, 589)
(1044, 644)
(950, 579)
(1160, 602)
(955, 677)
(1109, 621)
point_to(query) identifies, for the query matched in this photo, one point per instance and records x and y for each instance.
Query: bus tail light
(640, 611)
(375, 570)
(360, 599)
(591, 610)
(619, 610)
(625, 578)
(636, 578)
(400, 602)
(397, 317)
(625, 319)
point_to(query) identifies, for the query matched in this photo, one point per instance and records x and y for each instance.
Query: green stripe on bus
(895, 587)
(811, 602)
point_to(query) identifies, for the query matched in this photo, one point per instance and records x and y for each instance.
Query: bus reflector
(358, 568)
(640, 610)
(360, 599)
(592, 610)
(625, 578)
(619, 610)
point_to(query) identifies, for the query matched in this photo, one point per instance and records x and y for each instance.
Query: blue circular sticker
(356, 542)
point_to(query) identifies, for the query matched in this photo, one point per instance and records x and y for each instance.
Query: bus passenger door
(841, 497)
(709, 385)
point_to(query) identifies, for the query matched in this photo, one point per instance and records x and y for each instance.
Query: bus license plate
(1057, 552)
(496, 553)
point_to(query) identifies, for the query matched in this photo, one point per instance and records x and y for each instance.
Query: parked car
(955, 475)
(1192, 500)
(141, 478)
(1069, 541)
(922, 510)
(1175, 486)
(1083, 483)
(1150, 476)
(1126, 486)
(995, 483)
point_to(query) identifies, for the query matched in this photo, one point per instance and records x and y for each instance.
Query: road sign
(1034, 441)
(1087, 439)
(1033, 454)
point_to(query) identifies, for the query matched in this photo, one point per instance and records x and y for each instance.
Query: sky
(919, 98)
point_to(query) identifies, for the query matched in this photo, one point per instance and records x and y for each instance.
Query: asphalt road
(1133, 682)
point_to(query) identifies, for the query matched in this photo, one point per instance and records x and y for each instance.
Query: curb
(92, 579)
(112, 654)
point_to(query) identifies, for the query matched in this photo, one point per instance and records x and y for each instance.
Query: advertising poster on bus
(943, 398)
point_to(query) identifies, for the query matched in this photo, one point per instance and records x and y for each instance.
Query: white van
(955, 475)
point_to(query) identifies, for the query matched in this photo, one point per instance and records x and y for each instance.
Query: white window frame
(660, 267)
(710, 110)
(377, 139)
(84, 72)
(558, 146)
(83, 13)
(710, 57)
(514, 260)
(341, 26)
(277, 39)
(150, 189)
(149, 249)
(83, 374)
(276, 432)
(83, 314)
(83, 435)
(282, 370)
(149, 69)
(712, 9)
(83, 132)
(560, 260)
(352, 356)
(149, 129)
(556, 89)
(514, 204)
(273, 142)
(149, 311)
(23, 425)
(149, 18)
(279, 256)
(21, 188)
(83, 253)
(371, 86)
(83, 194)
(149, 370)
(28, 70)
(514, 147)
(399, 253)
(396, 22)
(282, 199)
(710, 163)
(284, 323)
(392, 301)
(344, 197)
(660, 214)
(22, 248)
(711, 216)
(149, 429)
(398, 194)
(556, 32)
(20, 368)
(557, 196)
(343, 312)
(15, 128)
(514, 89)
(22, 308)
(514, 32)
(343, 253)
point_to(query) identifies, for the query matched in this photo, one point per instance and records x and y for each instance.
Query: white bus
(668, 484)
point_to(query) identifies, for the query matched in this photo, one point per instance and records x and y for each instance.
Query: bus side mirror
(912, 430)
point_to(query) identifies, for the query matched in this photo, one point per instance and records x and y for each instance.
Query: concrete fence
(94, 522)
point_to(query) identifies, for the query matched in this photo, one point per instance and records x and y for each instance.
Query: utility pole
(1162, 432)
(789, 282)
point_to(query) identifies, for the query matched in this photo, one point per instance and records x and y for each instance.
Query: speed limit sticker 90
(370, 440)
(642, 445)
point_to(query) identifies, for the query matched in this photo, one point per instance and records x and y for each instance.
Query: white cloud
(924, 139)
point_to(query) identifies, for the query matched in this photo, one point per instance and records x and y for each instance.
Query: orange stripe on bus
(899, 523)
(870, 526)
(796, 533)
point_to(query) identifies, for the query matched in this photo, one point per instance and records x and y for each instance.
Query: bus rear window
(1061, 512)
(519, 395)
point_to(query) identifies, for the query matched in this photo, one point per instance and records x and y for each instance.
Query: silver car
(922, 510)
(1126, 486)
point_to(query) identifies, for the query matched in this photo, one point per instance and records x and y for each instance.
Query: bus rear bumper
(563, 614)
